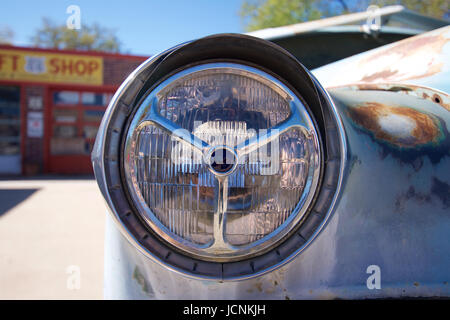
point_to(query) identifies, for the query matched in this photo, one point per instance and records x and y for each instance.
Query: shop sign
(34, 66)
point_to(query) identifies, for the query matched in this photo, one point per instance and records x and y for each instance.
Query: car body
(379, 222)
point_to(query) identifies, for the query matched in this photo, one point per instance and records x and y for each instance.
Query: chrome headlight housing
(220, 158)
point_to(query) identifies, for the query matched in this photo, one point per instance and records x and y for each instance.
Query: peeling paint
(411, 58)
(437, 97)
(419, 60)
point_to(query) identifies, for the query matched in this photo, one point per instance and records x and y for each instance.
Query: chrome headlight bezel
(145, 115)
(242, 50)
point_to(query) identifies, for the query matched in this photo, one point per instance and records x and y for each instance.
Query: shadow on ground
(9, 198)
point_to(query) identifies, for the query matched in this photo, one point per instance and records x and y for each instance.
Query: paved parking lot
(51, 239)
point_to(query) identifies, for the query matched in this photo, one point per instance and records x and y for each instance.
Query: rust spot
(270, 290)
(258, 286)
(383, 87)
(436, 98)
(416, 284)
(400, 126)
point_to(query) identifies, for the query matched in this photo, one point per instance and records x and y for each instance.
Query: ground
(51, 238)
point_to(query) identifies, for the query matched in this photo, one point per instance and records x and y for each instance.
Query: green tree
(433, 8)
(6, 35)
(89, 37)
(260, 14)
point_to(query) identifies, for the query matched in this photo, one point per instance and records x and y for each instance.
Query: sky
(144, 27)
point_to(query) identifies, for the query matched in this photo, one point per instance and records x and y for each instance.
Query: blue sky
(144, 27)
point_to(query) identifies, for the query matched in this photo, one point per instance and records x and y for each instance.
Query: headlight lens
(222, 160)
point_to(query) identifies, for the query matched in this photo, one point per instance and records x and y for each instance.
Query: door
(75, 118)
(10, 157)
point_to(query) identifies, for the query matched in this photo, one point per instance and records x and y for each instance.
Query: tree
(92, 37)
(6, 35)
(260, 14)
(433, 8)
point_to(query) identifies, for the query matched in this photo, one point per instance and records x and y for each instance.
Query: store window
(66, 116)
(93, 115)
(65, 98)
(9, 120)
(10, 130)
(76, 116)
(95, 99)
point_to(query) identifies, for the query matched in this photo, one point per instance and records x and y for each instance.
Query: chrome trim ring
(219, 249)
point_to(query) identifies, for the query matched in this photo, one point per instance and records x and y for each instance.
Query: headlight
(213, 164)
(222, 160)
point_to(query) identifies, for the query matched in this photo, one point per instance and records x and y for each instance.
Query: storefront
(51, 104)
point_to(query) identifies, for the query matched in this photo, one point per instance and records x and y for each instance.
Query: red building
(51, 104)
